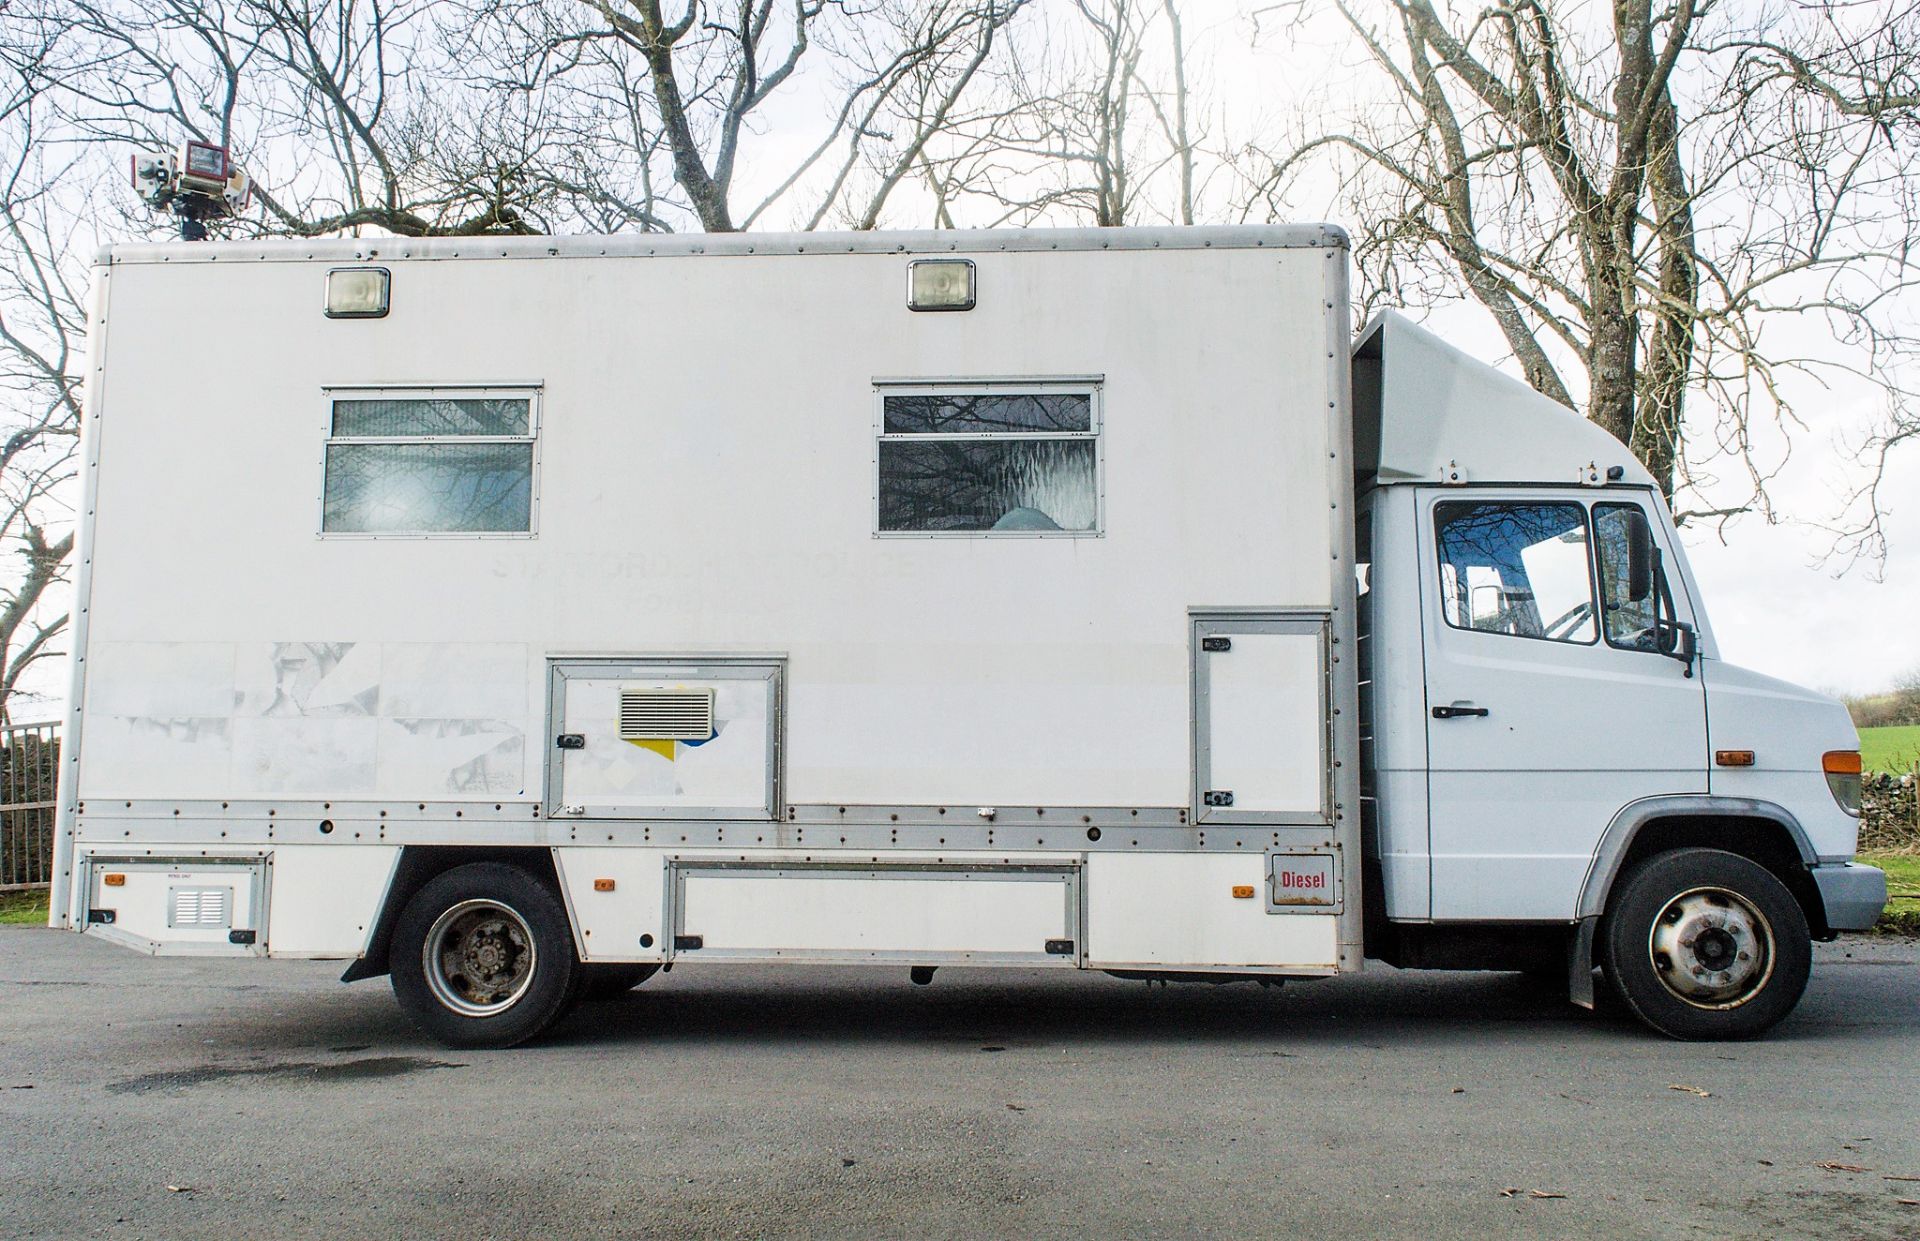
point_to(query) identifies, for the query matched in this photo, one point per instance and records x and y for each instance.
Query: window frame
(531, 392)
(1090, 386)
(1593, 567)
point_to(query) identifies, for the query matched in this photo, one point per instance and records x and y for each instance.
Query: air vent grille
(200, 907)
(666, 714)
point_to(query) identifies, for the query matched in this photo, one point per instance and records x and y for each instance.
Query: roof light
(358, 292)
(205, 166)
(940, 284)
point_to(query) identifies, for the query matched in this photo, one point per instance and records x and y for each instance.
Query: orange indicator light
(1242, 891)
(1733, 758)
(114, 881)
(1841, 762)
(603, 885)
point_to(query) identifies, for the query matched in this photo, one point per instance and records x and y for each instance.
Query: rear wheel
(1704, 944)
(483, 956)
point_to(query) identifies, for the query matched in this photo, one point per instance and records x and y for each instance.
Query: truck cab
(1558, 766)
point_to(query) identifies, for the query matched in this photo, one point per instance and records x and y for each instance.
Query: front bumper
(1853, 894)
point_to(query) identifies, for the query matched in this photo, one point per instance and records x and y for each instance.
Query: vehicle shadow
(976, 1009)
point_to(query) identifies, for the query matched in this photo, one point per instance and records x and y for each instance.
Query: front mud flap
(1580, 963)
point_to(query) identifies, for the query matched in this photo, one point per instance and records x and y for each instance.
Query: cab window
(1519, 569)
(1628, 597)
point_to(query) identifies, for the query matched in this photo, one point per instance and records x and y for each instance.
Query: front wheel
(483, 956)
(1705, 944)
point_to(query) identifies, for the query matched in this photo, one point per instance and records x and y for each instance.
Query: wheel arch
(1758, 830)
(1761, 831)
(420, 864)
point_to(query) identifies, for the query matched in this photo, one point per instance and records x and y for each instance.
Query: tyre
(482, 956)
(1704, 944)
(608, 982)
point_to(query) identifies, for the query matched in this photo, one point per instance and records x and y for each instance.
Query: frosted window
(973, 462)
(960, 413)
(429, 488)
(432, 416)
(977, 485)
(455, 462)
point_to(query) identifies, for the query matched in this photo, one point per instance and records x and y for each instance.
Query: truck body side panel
(704, 433)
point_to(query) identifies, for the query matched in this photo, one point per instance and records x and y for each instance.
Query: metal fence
(29, 768)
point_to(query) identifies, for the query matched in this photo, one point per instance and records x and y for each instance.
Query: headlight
(1843, 777)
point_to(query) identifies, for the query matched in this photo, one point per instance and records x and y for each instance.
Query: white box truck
(518, 617)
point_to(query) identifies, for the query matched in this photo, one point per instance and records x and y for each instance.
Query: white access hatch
(664, 738)
(918, 912)
(1261, 718)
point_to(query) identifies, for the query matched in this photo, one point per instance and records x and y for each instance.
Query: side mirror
(1640, 556)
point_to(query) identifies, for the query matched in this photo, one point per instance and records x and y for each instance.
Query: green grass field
(23, 908)
(1903, 891)
(1894, 748)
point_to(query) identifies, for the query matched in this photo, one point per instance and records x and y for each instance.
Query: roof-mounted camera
(196, 183)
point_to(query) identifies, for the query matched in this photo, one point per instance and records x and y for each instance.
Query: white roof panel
(1425, 411)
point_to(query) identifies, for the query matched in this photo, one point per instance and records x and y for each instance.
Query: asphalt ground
(187, 1098)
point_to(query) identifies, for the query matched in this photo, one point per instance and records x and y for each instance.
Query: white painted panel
(299, 755)
(438, 758)
(158, 756)
(856, 913)
(162, 679)
(1266, 735)
(326, 898)
(732, 509)
(915, 744)
(608, 925)
(730, 771)
(404, 721)
(318, 680)
(1178, 909)
(454, 681)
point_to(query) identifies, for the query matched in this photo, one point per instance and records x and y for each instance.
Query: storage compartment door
(658, 738)
(922, 914)
(1261, 719)
(177, 906)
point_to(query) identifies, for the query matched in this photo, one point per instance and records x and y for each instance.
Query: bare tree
(663, 100)
(1633, 196)
(42, 327)
(349, 116)
(1092, 121)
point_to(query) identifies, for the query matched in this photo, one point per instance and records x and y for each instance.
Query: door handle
(1454, 713)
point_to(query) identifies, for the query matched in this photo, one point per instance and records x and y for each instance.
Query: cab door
(1550, 704)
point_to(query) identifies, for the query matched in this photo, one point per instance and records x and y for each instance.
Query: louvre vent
(200, 907)
(666, 714)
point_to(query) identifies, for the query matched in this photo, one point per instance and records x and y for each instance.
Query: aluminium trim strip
(62, 894)
(654, 245)
(1343, 665)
